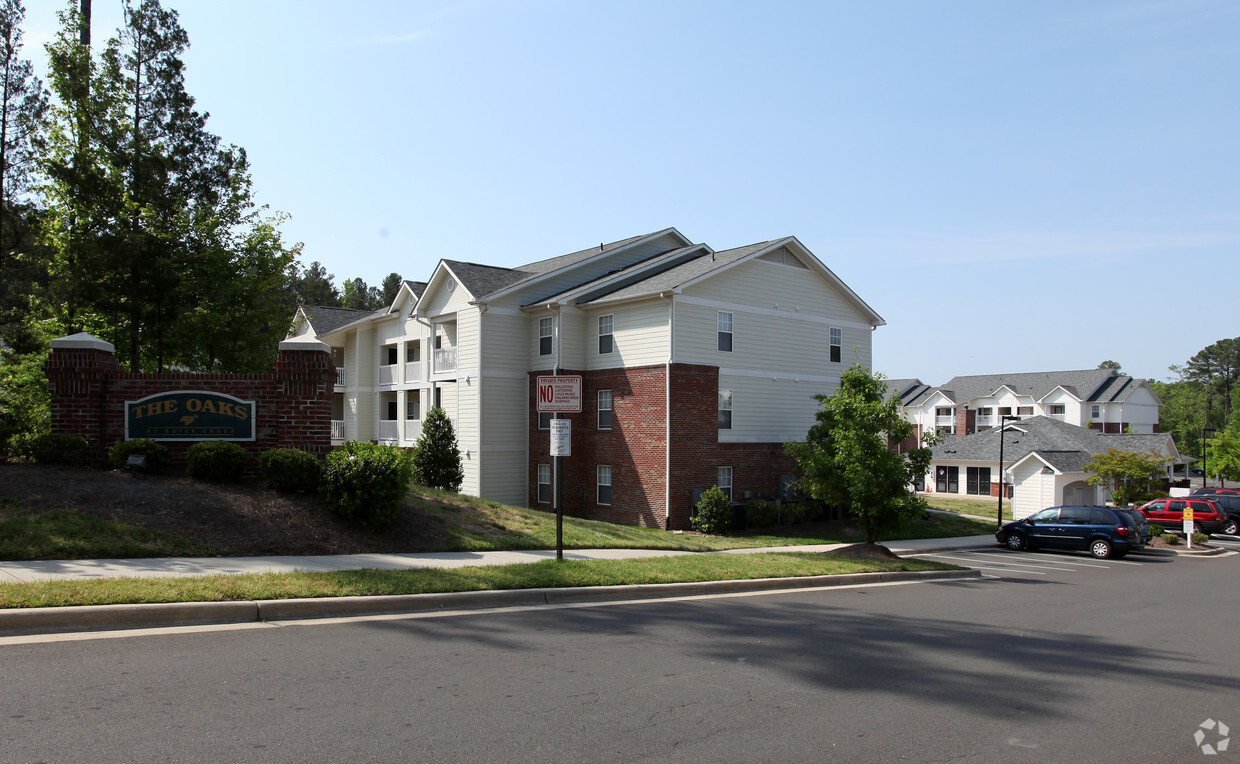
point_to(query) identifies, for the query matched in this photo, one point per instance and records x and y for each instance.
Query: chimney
(966, 422)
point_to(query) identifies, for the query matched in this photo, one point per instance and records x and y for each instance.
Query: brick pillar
(305, 380)
(80, 372)
(966, 422)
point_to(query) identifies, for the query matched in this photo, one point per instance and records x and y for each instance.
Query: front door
(947, 479)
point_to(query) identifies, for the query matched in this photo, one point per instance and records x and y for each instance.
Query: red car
(1208, 517)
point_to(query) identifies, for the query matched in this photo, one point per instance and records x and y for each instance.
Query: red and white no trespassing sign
(559, 394)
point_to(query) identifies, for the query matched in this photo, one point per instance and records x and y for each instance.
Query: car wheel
(1197, 528)
(1015, 541)
(1231, 528)
(1100, 548)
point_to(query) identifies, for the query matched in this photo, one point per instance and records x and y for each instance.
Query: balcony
(944, 421)
(389, 431)
(340, 376)
(413, 371)
(337, 429)
(985, 421)
(388, 375)
(444, 360)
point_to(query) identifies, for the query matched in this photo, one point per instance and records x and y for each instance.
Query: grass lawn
(986, 508)
(550, 573)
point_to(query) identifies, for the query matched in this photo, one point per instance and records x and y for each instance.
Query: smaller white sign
(561, 437)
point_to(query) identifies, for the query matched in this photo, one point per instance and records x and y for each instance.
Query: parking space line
(1043, 559)
(1012, 565)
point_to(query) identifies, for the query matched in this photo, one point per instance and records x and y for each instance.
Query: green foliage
(437, 459)
(215, 461)
(157, 456)
(1223, 453)
(24, 397)
(845, 460)
(366, 482)
(289, 470)
(59, 448)
(1171, 539)
(1199, 539)
(313, 286)
(390, 287)
(760, 513)
(1157, 530)
(1129, 476)
(714, 513)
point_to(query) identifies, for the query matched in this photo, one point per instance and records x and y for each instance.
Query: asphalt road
(1065, 661)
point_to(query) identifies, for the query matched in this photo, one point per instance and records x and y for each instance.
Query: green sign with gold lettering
(189, 415)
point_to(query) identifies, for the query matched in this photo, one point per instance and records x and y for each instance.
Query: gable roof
(1089, 385)
(325, 320)
(1064, 446)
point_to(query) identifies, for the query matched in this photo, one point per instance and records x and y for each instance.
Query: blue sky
(1012, 186)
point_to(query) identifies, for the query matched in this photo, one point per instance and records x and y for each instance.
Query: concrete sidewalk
(164, 567)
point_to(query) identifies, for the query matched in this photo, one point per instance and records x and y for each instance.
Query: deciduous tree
(845, 459)
(1128, 475)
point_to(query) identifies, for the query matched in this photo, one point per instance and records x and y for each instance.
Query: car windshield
(1046, 515)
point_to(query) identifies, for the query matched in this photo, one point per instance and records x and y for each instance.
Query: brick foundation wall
(292, 403)
(635, 447)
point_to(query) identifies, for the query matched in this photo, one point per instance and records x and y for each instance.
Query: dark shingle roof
(677, 275)
(325, 320)
(1100, 385)
(417, 287)
(482, 280)
(1060, 443)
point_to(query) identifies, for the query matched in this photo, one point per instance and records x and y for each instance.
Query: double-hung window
(546, 334)
(606, 336)
(725, 409)
(604, 409)
(604, 485)
(725, 332)
(544, 484)
(837, 341)
(544, 420)
(725, 481)
(1095, 412)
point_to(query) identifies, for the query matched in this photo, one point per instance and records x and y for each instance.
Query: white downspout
(667, 409)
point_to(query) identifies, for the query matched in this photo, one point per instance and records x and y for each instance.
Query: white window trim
(539, 482)
(731, 330)
(611, 407)
(598, 484)
(612, 333)
(731, 408)
(550, 323)
(719, 480)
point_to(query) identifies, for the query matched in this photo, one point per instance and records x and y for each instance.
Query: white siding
(770, 411)
(1031, 490)
(780, 287)
(640, 334)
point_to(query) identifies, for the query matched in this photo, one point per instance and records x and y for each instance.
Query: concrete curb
(57, 620)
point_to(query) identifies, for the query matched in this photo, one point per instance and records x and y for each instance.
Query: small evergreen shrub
(714, 513)
(1199, 539)
(436, 458)
(157, 456)
(60, 448)
(1171, 539)
(760, 513)
(366, 482)
(1157, 530)
(289, 470)
(215, 461)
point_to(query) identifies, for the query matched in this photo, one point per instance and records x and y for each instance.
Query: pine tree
(437, 459)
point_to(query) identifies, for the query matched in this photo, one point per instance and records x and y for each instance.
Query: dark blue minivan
(1102, 531)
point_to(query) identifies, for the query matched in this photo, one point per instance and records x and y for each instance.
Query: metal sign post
(1188, 523)
(561, 446)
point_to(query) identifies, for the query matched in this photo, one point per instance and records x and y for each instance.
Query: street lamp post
(1003, 418)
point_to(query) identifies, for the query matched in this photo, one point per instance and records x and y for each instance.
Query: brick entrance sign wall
(292, 402)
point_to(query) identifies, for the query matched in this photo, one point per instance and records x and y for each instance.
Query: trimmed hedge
(58, 448)
(289, 470)
(157, 456)
(714, 513)
(215, 461)
(366, 482)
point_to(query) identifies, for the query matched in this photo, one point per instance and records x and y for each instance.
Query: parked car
(1210, 491)
(1208, 517)
(1142, 523)
(1230, 503)
(1102, 531)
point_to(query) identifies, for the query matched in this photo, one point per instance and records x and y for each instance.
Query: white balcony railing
(337, 429)
(340, 377)
(445, 360)
(985, 421)
(413, 371)
(944, 421)
(389, 430)
(387, 375)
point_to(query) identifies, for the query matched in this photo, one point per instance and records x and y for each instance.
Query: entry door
(947, 479)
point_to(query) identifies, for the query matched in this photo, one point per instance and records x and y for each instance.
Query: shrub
(714, 513)
(366, 482)
(436, 458)
(1157, 530)
(1171, 539)
(215, 461)
(59, 448)
(1200, 539)
(289, 470)
(761, 514)
(157, 456)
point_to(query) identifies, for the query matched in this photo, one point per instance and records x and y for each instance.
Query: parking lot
(1002, 563)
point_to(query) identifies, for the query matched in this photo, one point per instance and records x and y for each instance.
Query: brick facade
(292, 401)
(636, 447)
